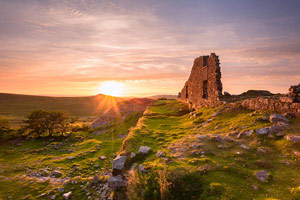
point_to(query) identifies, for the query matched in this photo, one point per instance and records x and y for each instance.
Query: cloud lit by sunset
(71, 48)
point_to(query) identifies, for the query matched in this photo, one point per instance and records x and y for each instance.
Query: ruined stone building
(204, 86)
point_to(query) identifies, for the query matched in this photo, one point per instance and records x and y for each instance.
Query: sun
(112, 88)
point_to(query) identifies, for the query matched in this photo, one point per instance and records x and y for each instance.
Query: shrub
(186, 185)
(216, 189)
(142, 186)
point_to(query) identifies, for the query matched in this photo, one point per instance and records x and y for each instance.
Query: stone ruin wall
(204, 86)
(285, 104)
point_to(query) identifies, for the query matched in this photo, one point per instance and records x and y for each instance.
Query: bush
(216, 189)
(4, 124)
(186, 185)
(142, 186)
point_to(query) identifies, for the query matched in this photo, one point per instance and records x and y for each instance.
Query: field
(206, 146)
(211, 153)
(16, 107)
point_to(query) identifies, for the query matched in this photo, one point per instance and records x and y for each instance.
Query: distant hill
(163, 96)
(20, 105)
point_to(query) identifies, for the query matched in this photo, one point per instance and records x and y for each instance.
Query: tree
(63, 121)
(4, 124)
(37, 121)
(40, 121)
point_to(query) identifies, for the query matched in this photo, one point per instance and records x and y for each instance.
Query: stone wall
(285, 104)
(204, 86)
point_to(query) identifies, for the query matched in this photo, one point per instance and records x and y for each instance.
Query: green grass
(35, 155)
(164, 126)
(224, 172)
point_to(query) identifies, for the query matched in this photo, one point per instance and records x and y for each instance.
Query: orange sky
(69, 48)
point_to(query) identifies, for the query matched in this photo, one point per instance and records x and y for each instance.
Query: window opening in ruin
(205, 94)
(186, 92)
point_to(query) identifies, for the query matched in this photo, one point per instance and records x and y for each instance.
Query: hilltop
(226, 152)
(20, 105)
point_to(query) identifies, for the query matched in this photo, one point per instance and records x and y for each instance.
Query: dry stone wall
(286, 104)
(204, 86)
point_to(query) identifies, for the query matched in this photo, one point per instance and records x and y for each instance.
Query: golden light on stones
(112, 88)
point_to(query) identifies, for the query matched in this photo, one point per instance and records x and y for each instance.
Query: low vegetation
(211, 153)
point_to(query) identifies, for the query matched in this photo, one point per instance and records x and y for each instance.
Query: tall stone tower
(204, 86)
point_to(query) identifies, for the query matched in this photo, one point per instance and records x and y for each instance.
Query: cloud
(74, 45)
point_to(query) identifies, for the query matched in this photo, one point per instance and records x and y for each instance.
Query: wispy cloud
(68, 47)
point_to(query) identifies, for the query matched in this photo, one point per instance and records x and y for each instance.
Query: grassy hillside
(20, 105)
(205, 157)
(211, 153)
(26, 165)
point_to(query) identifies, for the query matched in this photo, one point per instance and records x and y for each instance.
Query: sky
(73, 47)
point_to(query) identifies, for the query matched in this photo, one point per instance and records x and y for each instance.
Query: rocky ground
(170, 152)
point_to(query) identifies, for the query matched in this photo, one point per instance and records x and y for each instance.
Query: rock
(249, 132)
(204, 124)
(159, 154)
(283, 124)
(53, 197)
(132, 155)
(67, 195)
(116, 182)
(228, 139)
(215, 114)
(119, 162)
(255, 187)
(102, 157)
(142, 169)
(260, 150)
(70, 157)
(244, 146)
(262, 175)
(293, 138)
(222, 146)
(144, 150)
(201, 137)
(278, 118)
(262, 131)
(95, 179)
(133, 166)
(275, 128)
(56, 174)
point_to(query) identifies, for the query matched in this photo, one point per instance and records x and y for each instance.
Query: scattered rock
(119, 162)
(249, 132)
(244, 146)
(67, 195)
(142, 169)
(262, 131)
(159, 154)
(116, 182)
(102, 157)
(293, 138)
(215, 114)
(262, 175)
(133, 166)
(132, 155)
(56, 174)
(260, 150)
(95, 180)
(144, 150)
(275, 128)
(278, 118)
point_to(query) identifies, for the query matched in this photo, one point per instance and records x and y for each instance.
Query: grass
(233, 167)
(196, 168)
(75, 158)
